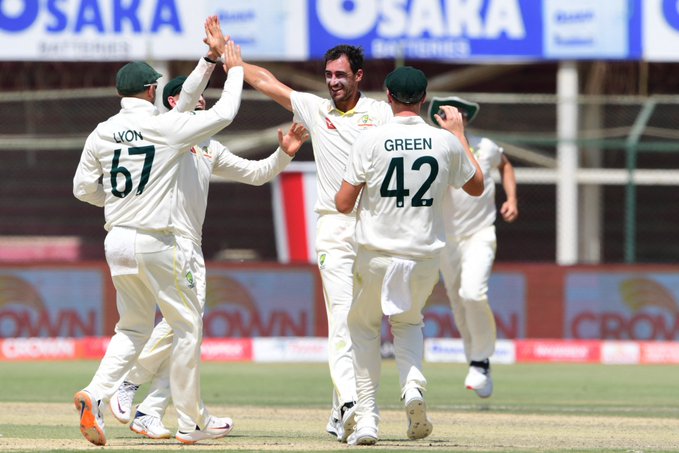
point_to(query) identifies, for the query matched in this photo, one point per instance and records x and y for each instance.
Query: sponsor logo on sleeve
(329, 124)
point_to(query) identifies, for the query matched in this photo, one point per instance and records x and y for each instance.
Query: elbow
(477, 191)
(343, 205)
(227, 116)
(474, 187)
(78, 193)
(97, 198)
(479, 187)
(345, 198)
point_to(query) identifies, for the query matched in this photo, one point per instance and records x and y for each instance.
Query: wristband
(209, 60)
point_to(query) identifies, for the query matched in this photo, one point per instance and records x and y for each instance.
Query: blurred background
(581, 94)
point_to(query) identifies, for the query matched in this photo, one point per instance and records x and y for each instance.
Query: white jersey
(464, 214)
(193, 182)
(138, 151)
(332, 134)
(406, 166)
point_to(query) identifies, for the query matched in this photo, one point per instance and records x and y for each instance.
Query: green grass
(646, 391)
(571, 390)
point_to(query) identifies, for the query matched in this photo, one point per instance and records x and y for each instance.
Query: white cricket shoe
(216, 428)
(348, 422)
(419, 425)
(365, 435)
(149, 426)
(121, 402)
(91, 418)
(332, 427)
(479, 379)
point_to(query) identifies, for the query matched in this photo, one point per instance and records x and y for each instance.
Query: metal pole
(567, 159)
(631, 188)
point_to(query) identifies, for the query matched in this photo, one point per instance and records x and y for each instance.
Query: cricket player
(467, 259)
(129, 165)
(334, 125)
(195, 169)
(403, 169)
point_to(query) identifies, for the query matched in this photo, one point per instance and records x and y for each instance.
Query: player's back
(332, 135)
(410, 167)
(139, 163)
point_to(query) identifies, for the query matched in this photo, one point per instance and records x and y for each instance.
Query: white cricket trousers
(466, 265)
(153, 364)
(164, 277)
(336, 251)
(365, 325)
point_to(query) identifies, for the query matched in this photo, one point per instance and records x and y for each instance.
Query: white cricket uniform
(332, 134)
(467, 260)
(195, 169)
(138, 153)
(192, 188)
(406, 166)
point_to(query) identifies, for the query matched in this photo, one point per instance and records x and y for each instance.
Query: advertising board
(299, 30)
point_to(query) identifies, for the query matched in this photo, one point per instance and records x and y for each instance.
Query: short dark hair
(353, 53)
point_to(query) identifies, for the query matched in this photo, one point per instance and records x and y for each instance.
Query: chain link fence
(627, 179)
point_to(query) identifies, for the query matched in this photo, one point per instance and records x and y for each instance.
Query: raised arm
(187, 130)
(195, 83)
(291, 142)
(455, 125)
(258, 172)
(214, 38)
(232, 56)
(265, 82)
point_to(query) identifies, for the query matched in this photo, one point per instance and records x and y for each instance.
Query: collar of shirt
(137, 105)
(409, 120)
(360, 107)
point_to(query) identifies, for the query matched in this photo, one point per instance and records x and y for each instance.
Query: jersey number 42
(396, 171)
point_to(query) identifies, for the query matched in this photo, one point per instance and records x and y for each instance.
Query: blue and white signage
(96, 29)
(428, 29)
(661, 30)
(265, 29)
(121, 30)
(298, 30)
(586, 29)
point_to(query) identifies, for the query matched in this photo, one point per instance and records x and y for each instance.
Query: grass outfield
(284, 407)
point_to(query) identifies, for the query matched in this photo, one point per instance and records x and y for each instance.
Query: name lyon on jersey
(127, 136)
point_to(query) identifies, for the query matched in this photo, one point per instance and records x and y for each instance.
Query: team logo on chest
(202, 151)
(365, 121)
(191, 283)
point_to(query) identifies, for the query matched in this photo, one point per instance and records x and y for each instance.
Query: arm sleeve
(194, 85)
(355, 172)
(86, 186)
(462, 169)
(186, 129)
(303, 107)
(253, 172)
(491, 151)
